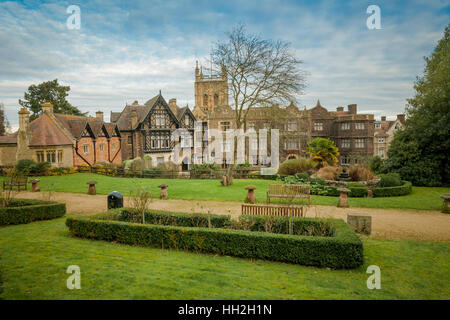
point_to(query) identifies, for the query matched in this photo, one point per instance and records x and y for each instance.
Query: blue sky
(129, 50)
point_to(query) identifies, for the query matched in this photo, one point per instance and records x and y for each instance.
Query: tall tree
(419, 153)
(49, 91)
(4, 123)
(260, 72)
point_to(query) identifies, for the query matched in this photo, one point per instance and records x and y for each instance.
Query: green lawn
(35, 256)
(421, 198)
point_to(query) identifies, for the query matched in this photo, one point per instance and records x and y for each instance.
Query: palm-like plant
(323, 152)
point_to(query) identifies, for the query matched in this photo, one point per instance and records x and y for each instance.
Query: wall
(8, 154)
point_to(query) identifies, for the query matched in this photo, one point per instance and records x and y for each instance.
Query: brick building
(62, 140)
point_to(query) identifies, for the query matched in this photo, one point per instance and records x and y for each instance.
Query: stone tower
(210, 90)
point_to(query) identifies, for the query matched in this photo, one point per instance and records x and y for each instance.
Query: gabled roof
(9, 139)
(44, 132)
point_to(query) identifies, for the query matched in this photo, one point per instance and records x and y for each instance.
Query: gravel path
(390, 224)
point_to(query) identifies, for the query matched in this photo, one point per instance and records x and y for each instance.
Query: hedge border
(403, 190)
(31, 210)
(344, 250)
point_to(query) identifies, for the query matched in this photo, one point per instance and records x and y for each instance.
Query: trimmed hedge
(404, 189)
(342, 250)
(26, 211)
(169, 218)
(358, 190)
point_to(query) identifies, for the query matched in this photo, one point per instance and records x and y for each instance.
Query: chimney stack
(340, 109)
(24, 119)
(47, 107)
(99, 115)
(401, 118)
(134, 119)
(383, 118)
(352, 108)
(173, 103)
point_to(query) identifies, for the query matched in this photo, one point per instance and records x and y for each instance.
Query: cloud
(128, 51)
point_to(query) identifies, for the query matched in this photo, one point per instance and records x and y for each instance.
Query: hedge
(342, 250)
(404, 189)
(26, 211)
(168, 218)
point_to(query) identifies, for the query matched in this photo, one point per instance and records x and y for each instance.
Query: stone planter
(250, 194)
(343, 198)
(446, 204)
(92, 191)
(163, 194)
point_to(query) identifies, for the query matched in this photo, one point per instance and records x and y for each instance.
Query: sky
(129, 50)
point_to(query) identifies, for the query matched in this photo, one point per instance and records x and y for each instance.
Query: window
(226, 146)
(381, 153)
(224, 126)
(359, 143)
(292, 125)
(292, 144)
(130, 139)
(318, 126)
(114, 146)
(205, 100)
(51, 156)
(345, 160)
(85, 149)
(186, 120)
(216, 99)
(160, 120)
(40, 156)
(186, 141)
(251, 125)
(345, 126)
(377, 125)
(346, 143)
(101, 147)
(360, 126)
(380, 140)
(60, 156)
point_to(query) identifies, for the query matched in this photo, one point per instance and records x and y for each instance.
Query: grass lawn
(35, 256)
(422, 198)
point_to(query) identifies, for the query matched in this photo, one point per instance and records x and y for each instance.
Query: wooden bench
(288, 191)
(272, 210)
(15, 182)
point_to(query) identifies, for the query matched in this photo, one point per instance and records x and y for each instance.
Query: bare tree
(260, 73)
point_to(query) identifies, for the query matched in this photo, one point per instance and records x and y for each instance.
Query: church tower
(210, 90)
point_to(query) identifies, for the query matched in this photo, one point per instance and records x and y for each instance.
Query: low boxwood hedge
(341, 250)
(404, 189)
(26, 210)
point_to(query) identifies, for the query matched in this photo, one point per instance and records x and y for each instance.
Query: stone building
(62, 140)
(384, 131)
(146, 129)
(352, 133)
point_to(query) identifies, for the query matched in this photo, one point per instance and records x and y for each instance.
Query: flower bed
(25, 211)
(336, 247)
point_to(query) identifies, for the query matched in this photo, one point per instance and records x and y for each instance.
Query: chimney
(383, 118)
(135, 103)
(352, 108)
(134, 119)
(24, 119)
(340, 109)
(401, 118)
(47, 107)
(173, 103)
(99, 115)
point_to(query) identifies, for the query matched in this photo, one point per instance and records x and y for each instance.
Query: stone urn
(343, 197)
(446, 204)
(34, 185)
(163, 194)
(92, 191)
(250, 194)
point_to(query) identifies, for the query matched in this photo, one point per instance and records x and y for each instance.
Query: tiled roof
(9, 139)
(44, 132)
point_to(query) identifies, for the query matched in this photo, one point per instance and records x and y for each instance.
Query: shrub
(23, 166)
(377, 165)
(360, 173)
(293, 166)
(318, 181)
(342, 250)
(329, 172)
(390, 180)
(357, 189)
(25, 211)
(402, 190)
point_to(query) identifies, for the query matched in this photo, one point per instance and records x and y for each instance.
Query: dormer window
(186, 119)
